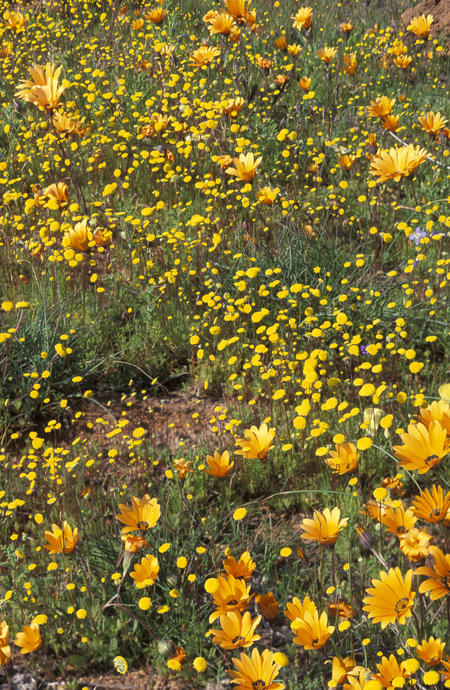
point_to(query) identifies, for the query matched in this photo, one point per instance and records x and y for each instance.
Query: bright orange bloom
(350, 64)
(256, 672)
(415, 544)
(423, 448)
(340, 669)
(142, 515)
(57, 195)
(359, 678)
(133, 542)
(237, 630)
(145, 572)
(232, 594)
(431, 651)
(233, 107)
(66, 125)
(403, 61)
(61, 540)
(324, 527)
(344, 459)
(29, 639)
(381, 107)
(244, 567)
(390, 122)
(246, 166)
(79, 237)
(346, 27)
(397, 162)
(340, 609)
(218, 464)
(396, 519)
(222, 23)
(268, 605)
(257, 442)
(305, 83)
(302, 18)
(312, 631)
(421, 26)
(156, 15)
(238, 8)
(432, 507)
(297, 608)
(391, 598)
(438, 582)
(16, 21)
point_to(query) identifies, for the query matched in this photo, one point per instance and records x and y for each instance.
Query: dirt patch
(134, 680)
(440, 9)
(175, 421)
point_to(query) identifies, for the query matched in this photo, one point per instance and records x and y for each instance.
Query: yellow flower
(326, 54)
(57, 195)
(256, 672)
(415, 544)
(79, 237)
(340, 669)
(403, 61)
(438, 411)
(438, 583)
(238, 8)
(244, 567)
(432, 507)
(143, 514)
(219, 464)
(221, 24)
(237, 630)
(324, 527)
(233, 107)
(421, 26)
(302, 18)
(423, 448)
(66, 125)
(346, 27)
(145, 572)
(29, 639)
(5, 649)
(397, 519)
(312, 631)
(390, 669)
(267, 195)
(346, 161)
(344, 459)
(245, 168)
(231, 594)
(359, 679)
(390, 599)
(156, 15)
(297, 608)
(257, 442)
(203, 56)
(397, 162)
(381, 107)
(431, 651)
(43, 88)
(61, 540)
(133, 542)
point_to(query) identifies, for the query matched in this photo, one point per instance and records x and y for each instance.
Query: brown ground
(440, 9)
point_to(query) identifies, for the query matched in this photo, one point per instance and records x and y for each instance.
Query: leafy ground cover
(224, 396)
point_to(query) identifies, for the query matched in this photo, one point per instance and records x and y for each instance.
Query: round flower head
(396, 163)
(219, 464)
(29, 640)
(344, 459)
(390, 599)
(431, 651)
(237, 630)
(142, 515)
(61, 540)
(432, 507)
(312, 631)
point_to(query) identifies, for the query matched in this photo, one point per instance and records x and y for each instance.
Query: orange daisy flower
(423, 448)
(324, 527)
(438, 582)
(390, 599)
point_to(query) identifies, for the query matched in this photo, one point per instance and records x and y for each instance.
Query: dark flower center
(259, 685)
(142, 525)
(401, 605)
(430, 459)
